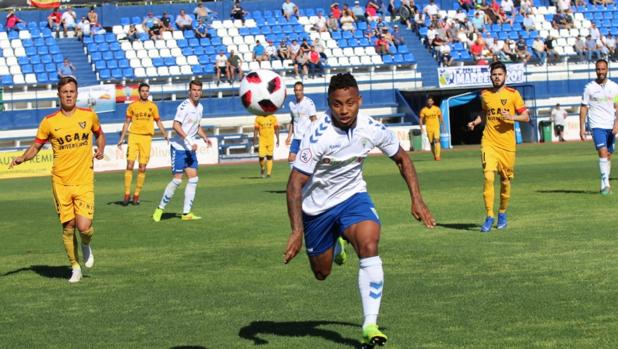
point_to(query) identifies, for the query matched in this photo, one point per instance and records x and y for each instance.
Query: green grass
(548, 281)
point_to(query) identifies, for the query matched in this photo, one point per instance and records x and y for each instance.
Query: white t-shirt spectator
(563, 5)
(558, 116)
(507, 6)
(288, 8)
(431, 9)
(221, 61)
(68, 18)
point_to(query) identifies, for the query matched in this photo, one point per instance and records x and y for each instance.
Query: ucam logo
(306, 155)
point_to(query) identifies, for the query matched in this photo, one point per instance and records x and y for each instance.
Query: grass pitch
(548, 281)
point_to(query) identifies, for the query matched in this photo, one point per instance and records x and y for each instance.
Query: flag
(44, 3)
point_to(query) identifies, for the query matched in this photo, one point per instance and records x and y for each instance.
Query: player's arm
(420, 121)
(123, 133)
(27, 155)
(615, 129)
(313, 118)
(277, 133)
(177, 126)
(256, 130)
(406, 168)
(583, 112)
(163, 130)
(523, 116)
(288, 140)
(100, 136)
(202, 133)
(296, 182)
(477, 121)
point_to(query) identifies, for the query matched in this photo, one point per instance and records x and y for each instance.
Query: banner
(101, 98)
(477, 75)
(40, 165)
(44, 3)
(127, 93)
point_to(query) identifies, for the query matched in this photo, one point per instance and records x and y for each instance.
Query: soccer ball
(262, 92)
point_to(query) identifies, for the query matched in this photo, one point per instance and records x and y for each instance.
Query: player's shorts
(266, 149)
(604, 138)
(502, 161)
(139, 145)
(182, 159)
(322, 231)
(558, 128)
(72, 200)
(295, 146)
(433, 134)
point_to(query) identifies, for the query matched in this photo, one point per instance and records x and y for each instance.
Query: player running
(502, 106)
(431, 117)
(183, 151)
(139, 122)
(265, 129)
(70, 131)
(303, 113)
(327, 196)
(600, 105)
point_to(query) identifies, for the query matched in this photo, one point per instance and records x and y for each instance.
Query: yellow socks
(141, 178)
(70, 245)
(87, 235)
(437, 150)
(488, 192)
(128, 177)
(505, 195)
(269, 167)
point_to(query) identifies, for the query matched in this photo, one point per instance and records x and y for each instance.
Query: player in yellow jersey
(502, 106)
(70, 131)
(139, 121)
(431, 117)
(265, 129)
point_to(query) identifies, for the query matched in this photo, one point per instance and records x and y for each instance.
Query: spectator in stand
(526, 6)
(294, 49)
(398, 38)
(68, 21)
(371, 11)
(155, 32)
(315, 63)
(595, 33)
(382, 46)
(149, 21)
(238, 12)
(66, 69)
(553, 57)
(97, 28)
(289, 9)
(476, 50)
(610, 43)
(335, 11)
(201, 30)
(319, 48)
(441, 37)
(305, 47)
(528, 23)
(347, 22)
(283, 51)
(332, 24)
(358, 11)
(234, 67)
(558, 117)
(184, 21)
(592, 48)
(270, 50)
(466, 4)
(497, 52)
(539, 50)
(419, 21)
(602, 2)
(92, 16)
(446, 59)
(12, 20)
(166, 22)
(300, 65)
(521, 50)
(319, 23)
(494, 12)
(478, 21)
(432, 32)
(508, 7)
(83, 28)
(221, 66)
(259, 52)
(559, 21)
(580, 2)
(564, 5)
(132, 33)
(431, 10)
(54, 19)
(202, 12)
(580, 48)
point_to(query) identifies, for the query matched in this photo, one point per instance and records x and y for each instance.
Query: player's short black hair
(342, 81)
(601, 60)
(196, 82)
(299, 83)
(66, 80)
(496, 65)
(143, 84)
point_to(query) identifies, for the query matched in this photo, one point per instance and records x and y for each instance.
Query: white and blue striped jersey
(301, 113)
(334, 158)
(189, 117)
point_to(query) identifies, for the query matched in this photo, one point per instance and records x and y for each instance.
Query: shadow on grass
(188, 347)
(567, 191)
(459, 226)
(296, 329)
(254, 177)
(275, 191)
(48, 271)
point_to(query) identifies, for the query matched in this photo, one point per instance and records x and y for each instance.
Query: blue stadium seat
(51, 68)
(123, 63)
(189, 34)
(96, 56)
(198, 50)
(46, 59)
(208, 69)
(104, 74)
(193, 42)
(39, 68)
(125, 21)
(256, 14)
(402, 49)
(136, 20)
(343, 43)
(203, 59)
(268, 13)
(113, 64)
(110, 37)
(196, 69)
(119, 55)
(187, 51)
(43, 78)
(204, 42)
(182, 43)
(309, 12)
(35, 59)
(23, 60)
(387, 59)
(169, 61)
(39, 42)
(26, 68)
(103, 47)
(267, 29)
(157, 62)
(409, 58)
(100, 65)
(114, 46)
(215, 41)
(42, 50)
(117, 74)
(143, 37)
(99, 38)
(209, 50)
(336, 35)
(347, 35)
(364, 42)
(107, 55)
(128, 73)
(7, 80)
(27, 43)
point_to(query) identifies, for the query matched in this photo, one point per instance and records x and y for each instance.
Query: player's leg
(490, 164)
(262, 152)
(436, 143)
(132, 153)
(144, 157)
(178, 166)
(506, 168)
(611, 140)
(66, 213)
(84, 214)
(190, 189)
(600, 138)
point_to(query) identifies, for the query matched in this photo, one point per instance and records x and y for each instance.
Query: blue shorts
(322, 231)
(182, 159)
(295, 146)
(603, 138)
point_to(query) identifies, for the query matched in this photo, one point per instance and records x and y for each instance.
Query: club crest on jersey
(82, 125)
(305, 155)
(326, 161)
(503, 101)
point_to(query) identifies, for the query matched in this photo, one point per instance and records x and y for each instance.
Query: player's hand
(582, 135)
(98, 154)
(471, 125)
(295, 242)
(119, 145)
(16, 161)
(507, 116)
(208, 142)
(421, 213)
(194, 147)
(288, 141)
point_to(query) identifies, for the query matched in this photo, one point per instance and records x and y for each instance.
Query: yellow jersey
(142, 116)
(500, 132)
(431, 116)
(71, 141)
(266, 126)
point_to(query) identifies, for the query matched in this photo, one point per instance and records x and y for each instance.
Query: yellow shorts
(502, 161)
(433, 134)
(266, 149)
(72, 200)
(139, 145)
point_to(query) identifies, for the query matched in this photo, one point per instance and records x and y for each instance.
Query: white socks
(370, 284)
(605, 167)
(169, 192)
(189, 194)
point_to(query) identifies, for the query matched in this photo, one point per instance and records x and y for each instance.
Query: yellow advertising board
(40, 165)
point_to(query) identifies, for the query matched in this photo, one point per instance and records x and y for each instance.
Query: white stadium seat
(135, 63)
(186, 70)
(277, 65)
(247, 56)
(254, 65)
(332, 61)
(11, 61)
(118, 30)
(24, 35)
(181, 60)
(359, 51)
(227, 41)
(149, 44)
(140, 72)
(355, 61)
(216, 24)
(125, 45)
(249, 23)
(20, 52)
(233, 32)
(176, 52)
(171, 44)
(15, 69)
(338, 52)
(165, 52)
(265, 65)
(222, 32)
(151, 72)
(243, 48)
(146, 62)
(160, 44)
(18, 79)
(130, 54)
(192, 60)
(174, 70)
(163, 71)
(141, 54)
(31, 78)
(244, 66)
(377, 60)
(228, 23)
(4, 70)
(177, 35)
(8, 52)
(249, 40)
(153, 53)
(344, 62)
(137, 45)
(238, 40)
(366, 60)
(167, 35)
(370, 51)
(15, 43)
